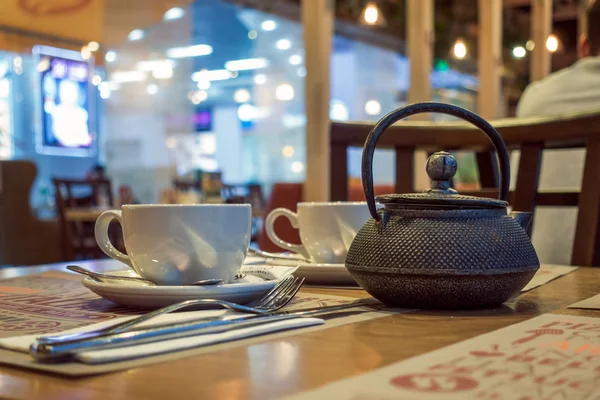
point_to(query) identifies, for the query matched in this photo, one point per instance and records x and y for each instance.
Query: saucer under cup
(180, 244)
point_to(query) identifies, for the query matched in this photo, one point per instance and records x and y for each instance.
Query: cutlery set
(265, 310)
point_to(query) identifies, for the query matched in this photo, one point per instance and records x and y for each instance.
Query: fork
(274, 300)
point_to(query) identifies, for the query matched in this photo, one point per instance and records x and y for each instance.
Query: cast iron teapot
(439, 249)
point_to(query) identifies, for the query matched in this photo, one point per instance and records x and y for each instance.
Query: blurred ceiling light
(86, 53)
(152, 88)
(241, 96)
(295, 59)
(211, 75)
(459, 49)
(190, 51)
(199, 96)
(203, 85)
(530, 45)
(519, 52)
(252, 34)
(283, 44)
(18, 65)
(297, 167)
(173, 13)
(268, 25)
(161, 69)
(104, 91)
(373, 107)
(96, 80)
(127, 76)
(246, 112)
(284, 92)
(302, 72)
(110, 56)
(552, 43)
(136, 34)
(249, 63)
(43, 65)
(288, 151)
(260, 79)
(338, 111)
(371, 15)
(93, 46)
(171, 143)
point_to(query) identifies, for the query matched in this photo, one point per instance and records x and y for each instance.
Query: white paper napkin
(22, 343)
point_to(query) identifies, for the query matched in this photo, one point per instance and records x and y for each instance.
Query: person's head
(589, 43)
(96, 172)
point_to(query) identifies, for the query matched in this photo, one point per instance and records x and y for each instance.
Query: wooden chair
(529, 135)
(24, 239)
(78, 241)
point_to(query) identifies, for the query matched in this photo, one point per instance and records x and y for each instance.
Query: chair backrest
(286, 195)
(67, 196)
(24, 239)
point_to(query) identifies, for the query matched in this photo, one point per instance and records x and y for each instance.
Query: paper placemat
(547, 357)
(593, 303)
(547, 273)
(56, 301)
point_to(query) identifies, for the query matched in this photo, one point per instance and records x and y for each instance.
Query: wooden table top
(295, 363)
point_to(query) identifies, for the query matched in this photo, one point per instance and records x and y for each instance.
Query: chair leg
(528, 179)
(488, 169)
(586, 249)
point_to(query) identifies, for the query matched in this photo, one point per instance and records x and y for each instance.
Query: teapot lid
(441, 168)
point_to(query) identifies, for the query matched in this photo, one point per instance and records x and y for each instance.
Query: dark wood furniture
(529, 135)
(79, 202)
(281, 366)
(247, 194)
(24, 239)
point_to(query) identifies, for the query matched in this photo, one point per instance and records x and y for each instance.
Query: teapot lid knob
(441, 167)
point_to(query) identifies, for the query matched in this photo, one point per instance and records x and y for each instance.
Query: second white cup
(326, 229)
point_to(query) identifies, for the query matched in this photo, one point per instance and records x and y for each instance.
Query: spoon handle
(101, 277)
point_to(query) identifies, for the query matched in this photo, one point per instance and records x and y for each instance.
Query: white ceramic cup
(180, 244)
(326, 229)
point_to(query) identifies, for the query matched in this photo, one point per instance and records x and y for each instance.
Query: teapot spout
(522, 218)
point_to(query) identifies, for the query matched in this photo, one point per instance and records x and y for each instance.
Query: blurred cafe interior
(111, 102)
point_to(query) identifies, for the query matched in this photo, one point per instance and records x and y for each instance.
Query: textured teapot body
(442, 258)
(440, 249)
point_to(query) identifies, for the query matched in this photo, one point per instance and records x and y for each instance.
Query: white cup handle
(269, 227)
(101, 233)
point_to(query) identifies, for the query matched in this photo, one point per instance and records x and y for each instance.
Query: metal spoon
(107, 277)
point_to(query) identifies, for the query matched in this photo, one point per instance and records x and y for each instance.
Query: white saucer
(319, 274)
(139, 295)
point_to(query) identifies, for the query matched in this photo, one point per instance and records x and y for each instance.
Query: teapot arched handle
(430, 107)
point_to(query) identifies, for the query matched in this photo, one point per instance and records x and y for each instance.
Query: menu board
(66, 103)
